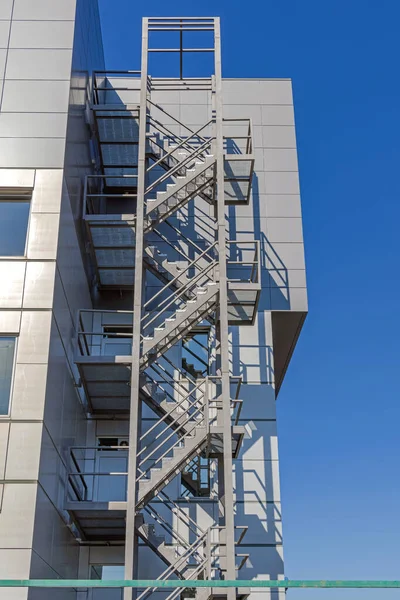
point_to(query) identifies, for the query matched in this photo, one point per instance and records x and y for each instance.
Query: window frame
(14, 364)
(7, 195)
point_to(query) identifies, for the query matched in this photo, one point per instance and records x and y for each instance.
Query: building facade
(152, 290)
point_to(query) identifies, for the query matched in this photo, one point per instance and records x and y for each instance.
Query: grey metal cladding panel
(284, 229)
(41, 34)
(279, 136)
(294, 299)
(44, 10)
(39, 64)
(280, 159)
(33, 125)
(286, 255)
(32, 152)
(35, 96)
(252, 111)
(13, 273)
(3, 56)
(257, 91)
(277, 115)
(6, 9)
(280, 205)
(4, 33)
(274, 182)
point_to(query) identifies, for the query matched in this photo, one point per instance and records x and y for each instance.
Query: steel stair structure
(152, 168)
(198, 177)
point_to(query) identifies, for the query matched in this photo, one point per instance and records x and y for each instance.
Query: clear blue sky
(339, 409)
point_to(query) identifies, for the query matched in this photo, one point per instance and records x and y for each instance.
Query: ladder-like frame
(225, 479)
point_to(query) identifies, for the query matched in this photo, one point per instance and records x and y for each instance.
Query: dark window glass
(7, 347)
(14, 217)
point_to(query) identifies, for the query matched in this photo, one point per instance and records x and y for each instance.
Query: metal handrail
(158, 385)
(96, 88)
(168, 132)
(175, 295)
(165, 525)
(248, 137)
(174, 566)
(160, 458)
(179, 509)
(160, 108)
(175, 593)
(169, 381)
(167, 414)
(182, 235)
(181, 164)
(184, 141)
(193, 262)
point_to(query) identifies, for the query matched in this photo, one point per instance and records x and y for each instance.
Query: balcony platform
(106, 381)
(99, 521)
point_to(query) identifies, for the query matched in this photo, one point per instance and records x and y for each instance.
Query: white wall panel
(35, 96)
(12, 275)
(280, 159)
(277, 115)
(33, 346)
(23, 451)
(48, 187)
(285, 229)
(39, 285)
(256, 480)
(264, 562)
(32, 152)
(17, 515)
(4, 433)
(29, 391)
(281, 205)
(44, 10)
(43, 236)
(6, 9)
(14, 564)
(33, 125)
(39, 64)
(20, 178)
(10, 321)
(264, 522)
(290, 255)
(41, 34)
(4, 33)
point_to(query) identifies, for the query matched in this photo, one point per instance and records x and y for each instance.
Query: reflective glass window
(14, 216)
(7, 349)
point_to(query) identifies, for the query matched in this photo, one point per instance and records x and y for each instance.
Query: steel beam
(227, 500)
(137, 318)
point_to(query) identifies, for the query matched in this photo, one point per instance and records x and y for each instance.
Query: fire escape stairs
(178, 324)
(165, 270)
(196, 180)
(188, 173)
(151, 481)
(165, 407)
(160, 150)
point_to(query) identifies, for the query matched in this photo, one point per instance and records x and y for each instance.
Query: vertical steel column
(137, 317)
(227, 499)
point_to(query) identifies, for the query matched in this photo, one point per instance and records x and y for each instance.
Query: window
(7, 349)
(14, 216)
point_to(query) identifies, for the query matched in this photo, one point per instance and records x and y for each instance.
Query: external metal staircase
(199, 174)
(152, 168)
